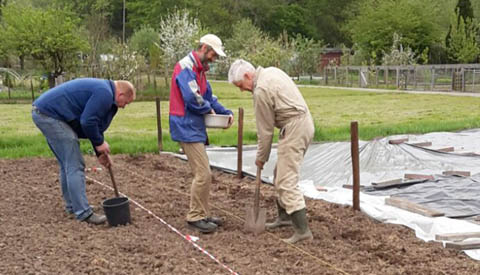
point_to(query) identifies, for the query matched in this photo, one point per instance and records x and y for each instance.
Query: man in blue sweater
(81, 108)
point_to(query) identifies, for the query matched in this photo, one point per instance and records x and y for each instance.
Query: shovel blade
(256, 226)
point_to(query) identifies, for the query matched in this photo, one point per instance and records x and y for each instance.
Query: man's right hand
(103, 149)
(105, 160)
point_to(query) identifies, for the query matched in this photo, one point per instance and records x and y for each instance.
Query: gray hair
(238, 69)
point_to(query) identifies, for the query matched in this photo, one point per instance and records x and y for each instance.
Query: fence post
(240, 144)
(376, 77)
(31, 87)
(159, 125)
(463, 79)
(385, 76)
(355, 164)
(347, 77)
(397, 80)
(415, 77)
(432, 84)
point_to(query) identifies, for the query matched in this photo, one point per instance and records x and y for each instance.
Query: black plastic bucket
(117, 211)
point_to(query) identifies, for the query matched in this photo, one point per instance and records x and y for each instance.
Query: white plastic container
(216, 121)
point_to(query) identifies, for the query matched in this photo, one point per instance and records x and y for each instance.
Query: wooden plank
(455, 237)
(470, 154)
(413, 207)
(418, 177)
(446, 149)
(398, 141)
(456, 173)
(350, 186)
(464, 245)
(422, 144)
(387, 182)
(398, 184)
(321, 189)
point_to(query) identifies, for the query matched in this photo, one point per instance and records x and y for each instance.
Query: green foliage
(307, 55)
(250, 43)
(143, 40)
(398, 55)
(462, 44)
(123, 62)
(416, 21)
(49, 36)
(465, 9)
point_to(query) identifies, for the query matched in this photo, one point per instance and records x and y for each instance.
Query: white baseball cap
(213, 41)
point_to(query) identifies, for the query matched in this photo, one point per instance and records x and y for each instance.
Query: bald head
(125, 93)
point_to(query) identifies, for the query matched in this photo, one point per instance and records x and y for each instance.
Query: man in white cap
(190, 99)
(279, 103)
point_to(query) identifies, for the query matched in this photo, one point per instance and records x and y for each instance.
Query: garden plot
(36, 236)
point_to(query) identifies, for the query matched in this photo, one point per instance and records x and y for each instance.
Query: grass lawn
(379, 114)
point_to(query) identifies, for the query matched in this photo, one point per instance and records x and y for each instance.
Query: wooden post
(31, 87)
(463, 79)
(385, 76)
(432, 84)
(376, 77)
(397, 80)
(355, 165)
(415, 77)
(159, 124)
(347, 78)
(240, 144)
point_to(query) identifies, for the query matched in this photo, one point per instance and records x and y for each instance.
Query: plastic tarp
(328, 165)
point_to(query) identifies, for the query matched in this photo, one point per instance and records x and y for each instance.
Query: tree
(124, 62)
(178, 33)
(398, 55)
(462, 43)
(416, 21)
(143, 40)
(307, 53)
(50, 36)
(250, 43)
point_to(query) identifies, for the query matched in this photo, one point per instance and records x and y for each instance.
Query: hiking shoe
(96, 219)
(203, 226)
(216, 220)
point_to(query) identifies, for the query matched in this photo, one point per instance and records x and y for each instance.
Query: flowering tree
(123, 63)
(178, 33)
(398, 55)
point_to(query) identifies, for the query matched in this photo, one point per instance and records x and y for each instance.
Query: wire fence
(447, 78)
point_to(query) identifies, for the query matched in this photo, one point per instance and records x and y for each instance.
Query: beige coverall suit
(279, 103)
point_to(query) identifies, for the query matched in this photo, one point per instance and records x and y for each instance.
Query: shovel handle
(113, 180)
(256, 203)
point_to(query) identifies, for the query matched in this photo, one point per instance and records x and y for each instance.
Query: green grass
(379, 114)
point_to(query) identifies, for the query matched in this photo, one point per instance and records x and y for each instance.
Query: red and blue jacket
(190, 98)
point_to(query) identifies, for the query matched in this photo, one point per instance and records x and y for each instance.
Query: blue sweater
(86, 104)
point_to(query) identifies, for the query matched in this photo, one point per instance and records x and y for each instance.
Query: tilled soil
(38, 237)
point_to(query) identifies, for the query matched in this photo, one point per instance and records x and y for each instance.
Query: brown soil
(37, 237)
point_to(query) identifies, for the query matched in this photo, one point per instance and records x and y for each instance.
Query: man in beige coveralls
(279, 103)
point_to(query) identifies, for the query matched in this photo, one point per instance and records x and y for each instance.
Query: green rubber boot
(283, 219)
(300, 225)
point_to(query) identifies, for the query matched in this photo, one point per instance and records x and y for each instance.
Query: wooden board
(464, 245)
(446, 149)
(398, 141)
(422, 144)
(388, 182)
(455, 237)
(457, 173)
(413, 207)
(418, 176)
(402, 183)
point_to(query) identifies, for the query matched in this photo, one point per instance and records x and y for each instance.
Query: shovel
(256, 217)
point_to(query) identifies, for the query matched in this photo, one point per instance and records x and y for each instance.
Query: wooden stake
(240, 144)
(159, 124)
(355, 165)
